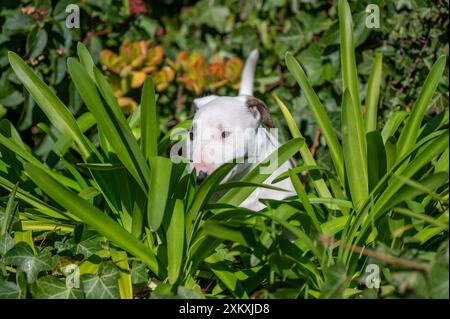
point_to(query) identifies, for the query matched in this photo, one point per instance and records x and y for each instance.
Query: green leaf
(205, 190)
(53, 288)
(391, 152)
(354, 153)
(319, 113)
(149, 120)
(175, 242)
(335, 281)
(86, 59)
(279, 156)
(161, 169)
(335, 225)
(139, 273)
(120, 259)
(23, 257)
(93, 217)
(103, 285)
(373, 93)
(111, 100)
(392, 124)
(353, 118)
(118, 137)
(9, 290)
(9, 211)
(219, 267)
(376, 158)
(433, 149)
(303, 197)
(6, 243)
(223, 232)
(411, 130)
(90, 243)
(36, 43)
(319, 183)
(426, 185)
(51, 105)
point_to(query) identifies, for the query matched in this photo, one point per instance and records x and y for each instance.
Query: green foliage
(100, 212)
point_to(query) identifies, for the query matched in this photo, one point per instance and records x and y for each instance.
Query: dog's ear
(259, 109)
(199, 102)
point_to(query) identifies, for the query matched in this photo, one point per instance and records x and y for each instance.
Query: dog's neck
(265, 144)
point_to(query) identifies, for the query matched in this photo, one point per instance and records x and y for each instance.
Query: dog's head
(223, 129)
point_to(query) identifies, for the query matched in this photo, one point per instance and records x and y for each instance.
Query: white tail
(248, 74)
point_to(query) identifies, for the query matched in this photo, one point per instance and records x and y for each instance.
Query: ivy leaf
(439, 282)
(103, 285)
(54, 288)
(215, 17)
(6, 243)
(9, 290)
(139, 273)
(90, 243)
(23, 257)
(311, 59)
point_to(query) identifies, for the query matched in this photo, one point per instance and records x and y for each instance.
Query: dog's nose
(201, 176)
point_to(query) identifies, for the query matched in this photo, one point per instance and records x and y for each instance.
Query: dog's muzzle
(201, 177)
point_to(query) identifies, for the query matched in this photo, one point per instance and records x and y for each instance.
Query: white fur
(218, 114)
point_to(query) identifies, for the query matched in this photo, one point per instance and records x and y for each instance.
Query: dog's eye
(225, 134)
(191, 135)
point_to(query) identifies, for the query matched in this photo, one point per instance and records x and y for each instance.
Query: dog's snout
(201, 176)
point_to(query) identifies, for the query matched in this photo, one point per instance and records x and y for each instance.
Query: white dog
(227, 128)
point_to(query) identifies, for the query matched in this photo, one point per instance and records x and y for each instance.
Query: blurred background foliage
(194, 48)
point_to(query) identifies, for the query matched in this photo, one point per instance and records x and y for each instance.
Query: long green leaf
(354, 153)
(376, 158)
(411, 130)
(93, 217)
(392, 124)
(226, 276)
(111, 100)
(161, 169)
(281, 155)
(304, 200)
(373, 93)
(319, 183)
(86, 59)
(50, 104)
(432, 150)
(175, 242)
(350, 82)
(149, 120)
(319, 113)
(9, 211)
(115, 134)
(120, 258)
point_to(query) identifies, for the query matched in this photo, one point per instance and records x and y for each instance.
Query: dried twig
(388, 259)
(315, 144)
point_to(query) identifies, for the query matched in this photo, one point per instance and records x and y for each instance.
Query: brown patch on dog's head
(257, 106)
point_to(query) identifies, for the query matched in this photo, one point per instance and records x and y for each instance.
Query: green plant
(380, 171)
(126, 191)
(119, 202)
